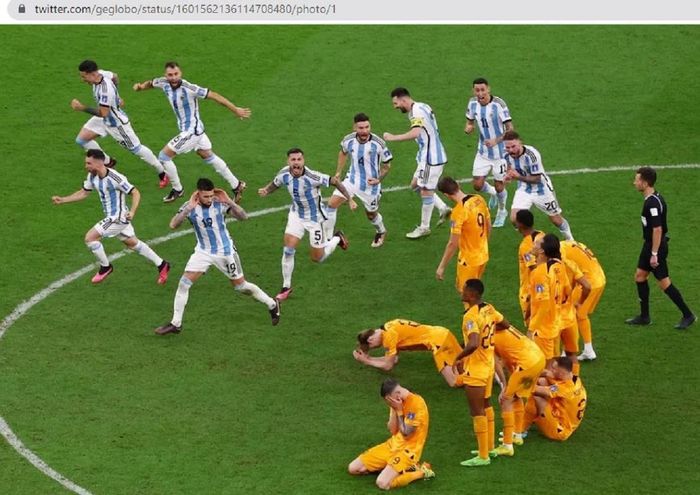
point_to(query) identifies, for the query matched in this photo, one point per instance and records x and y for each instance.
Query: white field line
(25, 306)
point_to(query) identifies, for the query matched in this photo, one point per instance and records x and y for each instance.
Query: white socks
(427, 210)
(258, 294)
(170, 170)
(181, 297)
(488, 189)
(99, 251)
(378, 223)
(329, 248)
(223, 170)
(145, 154)
(502, 198)
(144, 250)
(566, 230)
(329, 224)
(287, 266)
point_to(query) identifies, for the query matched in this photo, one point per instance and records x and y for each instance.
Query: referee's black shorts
(661, 271)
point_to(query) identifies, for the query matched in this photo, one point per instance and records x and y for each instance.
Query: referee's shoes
(686, 321)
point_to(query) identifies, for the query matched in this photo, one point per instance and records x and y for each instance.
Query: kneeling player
(397, 459)
(559, 401)
(404, 335)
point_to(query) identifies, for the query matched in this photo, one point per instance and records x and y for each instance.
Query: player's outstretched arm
(101, 111)
(450, 250)
(337, 183)
(406, 136)
(143, 86)
(76, 196)
(241, 113)
(342, 158)
(268, 189)
(385, 363)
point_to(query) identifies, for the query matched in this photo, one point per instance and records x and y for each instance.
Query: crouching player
(559, 401)
(406, 335)
(397, 459)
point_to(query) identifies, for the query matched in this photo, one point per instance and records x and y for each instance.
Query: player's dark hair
(388, 386)
(510, 135)
(526, 218)
(360, 117)
(475, 285)
(447, 185)
(87, 66)
(171, 64)
(565, 362)
(551, 246)
(363, 338)
(292, 151)
(480, 80)
(648, 175)
(400, 92)
(205, 184)
(97, 154)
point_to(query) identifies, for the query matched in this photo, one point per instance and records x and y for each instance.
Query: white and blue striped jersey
(305, 192)
(530, 163)
(185, 103)
(365, 160)
(491, 119)
(430, 148)
(106, 94)
(209, 224)
(112, 189)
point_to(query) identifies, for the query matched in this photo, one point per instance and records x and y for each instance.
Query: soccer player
(493, 118)
(184, 97)
(652, 258)
(307, 214)
(527, 260)
(370, 161)
(109, 118)
(400, 335)
(586, 260)
(397, 459)
(112, 188)
(534, 186)
(431, 157)
(524, 361)
(558, 402)
(470, 228)
(206, 210)
(478, 324)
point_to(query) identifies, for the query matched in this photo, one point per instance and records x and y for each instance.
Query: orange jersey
(406, 335)
(516, 350)
(415, 413)
(567, 310)
(568, 400)
(481, 320)
(526, 260)
(470, 219)
(543, 309)
(581, 254)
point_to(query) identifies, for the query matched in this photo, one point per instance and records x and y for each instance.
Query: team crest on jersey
(410, 415)
(470, 325)
(554, 389)
(527, 257)
(539, 288)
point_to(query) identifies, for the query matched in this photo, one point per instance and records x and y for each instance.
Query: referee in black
(652, 259)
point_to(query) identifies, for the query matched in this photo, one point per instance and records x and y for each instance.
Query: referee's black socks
(675, 296)
(643, 291)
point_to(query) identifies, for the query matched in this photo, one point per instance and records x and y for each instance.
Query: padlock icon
(22, 9)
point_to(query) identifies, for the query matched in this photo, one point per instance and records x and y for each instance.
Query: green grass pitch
(233, 405)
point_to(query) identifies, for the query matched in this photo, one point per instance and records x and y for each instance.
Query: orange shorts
(569, 336)
(477, 378)
(550, 426)
(446, 353)
(589, 305)
(465, 272)
(550, 347)
(522, 381)
(382, 455)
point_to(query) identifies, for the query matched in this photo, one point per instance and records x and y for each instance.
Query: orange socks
(406, 478)
(518, 414)
(491, 418)
(584, 328)
(481, 426)
(508, 425)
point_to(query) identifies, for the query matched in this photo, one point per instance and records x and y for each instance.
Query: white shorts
(230, 265)
(296, 227)
(427, 176)
(112, 227)
(123, 133)
(547, 202)
(189, 141)
(370, 201)
(482, 167)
